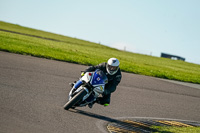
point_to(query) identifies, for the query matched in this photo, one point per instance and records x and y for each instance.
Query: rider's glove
(82, 74)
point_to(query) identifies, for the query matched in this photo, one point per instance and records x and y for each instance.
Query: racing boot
(102, 101)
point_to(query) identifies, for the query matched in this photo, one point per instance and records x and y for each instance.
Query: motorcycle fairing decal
(101, 88)
(96, 79)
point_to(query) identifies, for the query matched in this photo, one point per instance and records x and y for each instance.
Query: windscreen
(99, 78)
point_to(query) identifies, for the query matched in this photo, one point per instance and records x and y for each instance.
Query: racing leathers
(110, 87)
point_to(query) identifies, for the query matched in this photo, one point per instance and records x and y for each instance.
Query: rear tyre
(79, 96)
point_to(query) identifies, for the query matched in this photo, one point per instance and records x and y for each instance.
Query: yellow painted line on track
(175, 123)
(119, 130)
(138, 124)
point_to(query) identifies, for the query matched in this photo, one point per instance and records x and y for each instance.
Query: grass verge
(87, 53)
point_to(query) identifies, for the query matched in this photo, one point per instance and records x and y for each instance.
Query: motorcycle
(87, 89)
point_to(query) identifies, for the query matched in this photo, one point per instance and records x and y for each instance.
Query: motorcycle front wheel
(79, 96)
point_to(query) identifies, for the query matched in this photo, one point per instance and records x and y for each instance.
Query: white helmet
(112, 66)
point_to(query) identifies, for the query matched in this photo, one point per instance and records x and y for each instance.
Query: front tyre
(79, 96)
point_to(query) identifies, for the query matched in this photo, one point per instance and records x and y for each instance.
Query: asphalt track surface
(34, 90)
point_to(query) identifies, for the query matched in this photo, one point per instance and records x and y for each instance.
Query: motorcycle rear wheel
(79, 96)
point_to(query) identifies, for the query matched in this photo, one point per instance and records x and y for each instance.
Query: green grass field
(171, 129)
(74, 50)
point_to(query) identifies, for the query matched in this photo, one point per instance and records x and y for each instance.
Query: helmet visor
(112, 68)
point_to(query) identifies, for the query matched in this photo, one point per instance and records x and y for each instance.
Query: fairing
(99, 78)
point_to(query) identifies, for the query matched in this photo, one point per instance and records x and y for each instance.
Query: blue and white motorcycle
(87, 89)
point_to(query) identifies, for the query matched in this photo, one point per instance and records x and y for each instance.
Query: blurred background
(139, 26)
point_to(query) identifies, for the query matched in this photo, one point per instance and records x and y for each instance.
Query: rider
(113, 73)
